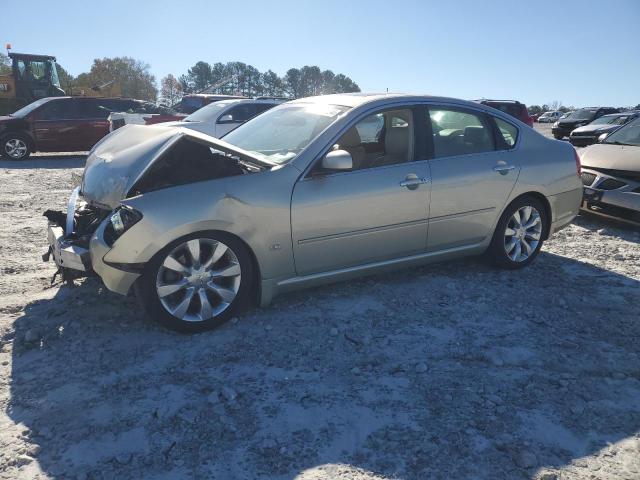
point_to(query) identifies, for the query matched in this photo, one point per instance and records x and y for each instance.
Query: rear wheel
(15, 147)
(198, 282)
(558, 137)
(518, 237)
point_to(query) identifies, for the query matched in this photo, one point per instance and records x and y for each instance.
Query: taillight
(578, 164)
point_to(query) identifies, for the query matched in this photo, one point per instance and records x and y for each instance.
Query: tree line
(232, 78)
(237, 78)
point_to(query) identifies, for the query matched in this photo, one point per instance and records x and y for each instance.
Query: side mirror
(225, 119)
(337, 160)
(602, 137)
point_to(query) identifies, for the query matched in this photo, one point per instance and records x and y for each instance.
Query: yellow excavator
(35, 76)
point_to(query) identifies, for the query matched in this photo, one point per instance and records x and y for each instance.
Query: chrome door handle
(503, 169)
(413, 183)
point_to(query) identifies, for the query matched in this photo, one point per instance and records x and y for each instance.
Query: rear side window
(459, 132)
(91, 109)
(58, 110)
(508, 132)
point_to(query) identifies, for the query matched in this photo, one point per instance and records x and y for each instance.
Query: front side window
(239, 114)
(384, 138)
(279, 134)
(459, 132)
(508, 131)
(58, 110)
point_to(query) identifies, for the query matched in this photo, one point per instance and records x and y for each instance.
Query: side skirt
(272, 287)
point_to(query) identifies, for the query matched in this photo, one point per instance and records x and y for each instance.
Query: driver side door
(375, 212)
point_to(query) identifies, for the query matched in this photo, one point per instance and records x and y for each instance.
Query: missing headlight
(121, 220)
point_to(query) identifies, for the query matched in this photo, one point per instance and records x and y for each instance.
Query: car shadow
(447, 371)
(625, 229)
(46, 161)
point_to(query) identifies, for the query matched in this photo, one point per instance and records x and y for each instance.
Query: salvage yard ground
(454, 371)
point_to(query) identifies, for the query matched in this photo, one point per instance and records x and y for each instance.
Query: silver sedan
(315, 190)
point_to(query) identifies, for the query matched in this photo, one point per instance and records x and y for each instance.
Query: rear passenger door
(56, 126)
(94, 112)
(474, 167)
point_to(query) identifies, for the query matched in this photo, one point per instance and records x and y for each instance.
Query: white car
(549, 117)
(219, 118)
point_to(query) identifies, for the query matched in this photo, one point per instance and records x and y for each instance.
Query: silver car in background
(312, 191)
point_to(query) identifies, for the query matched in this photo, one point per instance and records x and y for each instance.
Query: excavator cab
(32, 77)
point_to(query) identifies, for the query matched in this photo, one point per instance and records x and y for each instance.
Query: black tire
(497, 251)
(146, 287)
(558, 137)
(8, 145)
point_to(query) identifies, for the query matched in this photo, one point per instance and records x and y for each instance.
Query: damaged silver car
(315, 190)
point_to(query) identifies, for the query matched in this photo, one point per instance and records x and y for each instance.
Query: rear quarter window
(508, 132)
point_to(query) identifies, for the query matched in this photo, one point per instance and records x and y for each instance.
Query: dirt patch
(450, 371)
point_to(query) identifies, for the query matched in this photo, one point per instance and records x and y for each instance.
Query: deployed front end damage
(130, 162)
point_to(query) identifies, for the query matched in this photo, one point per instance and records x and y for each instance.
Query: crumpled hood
(121, 158)
(612, 157)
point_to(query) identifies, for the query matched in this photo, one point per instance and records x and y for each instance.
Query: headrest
(351, 138)
(476, 135)
(396, 141)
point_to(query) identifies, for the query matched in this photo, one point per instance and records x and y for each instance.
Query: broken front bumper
(66, 253)
(78, 255)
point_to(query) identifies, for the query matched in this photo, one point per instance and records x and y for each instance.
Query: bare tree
(170, 90)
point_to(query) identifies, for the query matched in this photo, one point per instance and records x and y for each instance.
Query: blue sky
(577, 52)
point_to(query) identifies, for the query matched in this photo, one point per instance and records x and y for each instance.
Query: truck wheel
(15, 147)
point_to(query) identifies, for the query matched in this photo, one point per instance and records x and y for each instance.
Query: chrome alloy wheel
(15, 148)
(198, 279)
(522, 234)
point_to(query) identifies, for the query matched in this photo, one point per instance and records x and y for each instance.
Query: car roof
(357, 99)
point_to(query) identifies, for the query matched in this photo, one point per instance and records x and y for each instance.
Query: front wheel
(558, 137)
(14, 147)
(198, 282)
(518, 237)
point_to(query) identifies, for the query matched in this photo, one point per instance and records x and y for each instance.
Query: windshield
(583, 114)
(281, 133)
(627, 135)
(605, 120)
(207, 113)
(24, 111)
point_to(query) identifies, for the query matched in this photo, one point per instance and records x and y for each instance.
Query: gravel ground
(453, 371)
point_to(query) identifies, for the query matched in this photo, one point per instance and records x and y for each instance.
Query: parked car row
(73, 124)
(310, 191)
(64, 124)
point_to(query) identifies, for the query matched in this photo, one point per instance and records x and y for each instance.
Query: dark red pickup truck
(62, 124)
